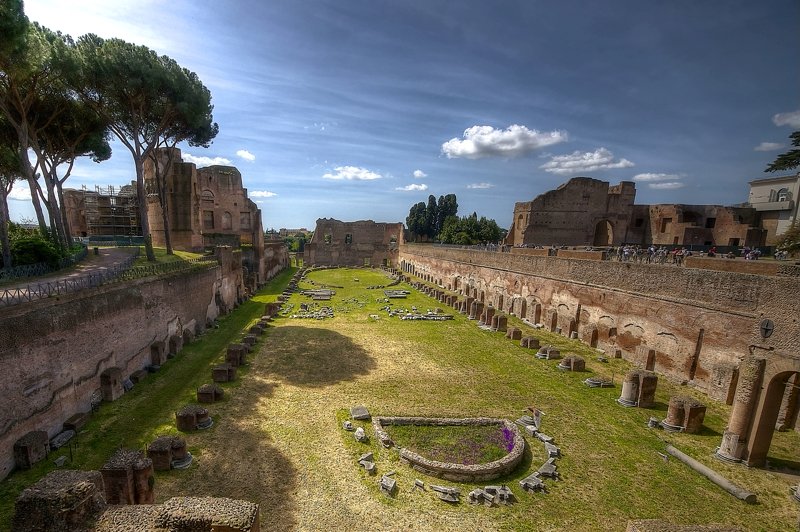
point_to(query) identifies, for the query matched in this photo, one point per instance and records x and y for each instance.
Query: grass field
(277, 437)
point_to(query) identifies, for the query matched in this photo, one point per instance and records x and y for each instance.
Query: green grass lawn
(161, 256)
(278, 438)
(467, 445)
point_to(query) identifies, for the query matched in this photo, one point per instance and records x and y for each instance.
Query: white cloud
(768, 146)
(246, 155)
(20, 192)
(419, 174)
(668, 185)
(205, 161)
(657, 177)
(787, 119)
(414, 186)
(577, 162)
(486, 141)
(480, 185)
(261, 194)
(351, 173)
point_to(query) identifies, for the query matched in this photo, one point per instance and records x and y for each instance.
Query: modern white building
(776, 200)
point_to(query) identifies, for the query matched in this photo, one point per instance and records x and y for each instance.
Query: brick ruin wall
(53, 351)
(691, 325)
(361, 243)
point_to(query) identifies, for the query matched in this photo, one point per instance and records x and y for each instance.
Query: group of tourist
(650, 255)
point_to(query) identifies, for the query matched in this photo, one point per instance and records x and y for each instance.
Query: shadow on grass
(316, 357)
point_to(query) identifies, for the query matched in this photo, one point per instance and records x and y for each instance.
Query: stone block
(258, 330)
(499, 322)
(209, 393)
(31, 448)
(175, 344)
(647, 389)
(514, 333)
(138, 376)
(223, 373)
(62, 500)
(188, 336)
(111, 384)
(157, 353)
(128, 478)
(76, 421)
(235, 355)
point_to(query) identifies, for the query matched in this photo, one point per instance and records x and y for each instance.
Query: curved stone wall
(451, 471)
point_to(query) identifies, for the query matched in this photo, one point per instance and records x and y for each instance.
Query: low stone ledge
(452, 471)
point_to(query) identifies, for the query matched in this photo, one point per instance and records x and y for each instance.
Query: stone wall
(53, 351)
(690, 324)
(361, 243)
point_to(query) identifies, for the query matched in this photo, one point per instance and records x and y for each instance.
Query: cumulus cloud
(486, 141)
(20, 192)
(205, 161)
(419, 174)
(657, 177)
(351, 173)
(261, 194)
(787, 119)
(480, 185)
(414, 186)
(768, 146)
(667, 185)
(246, 155)
(577, 162)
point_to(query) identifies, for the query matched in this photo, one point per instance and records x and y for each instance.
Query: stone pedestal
(572, 363)
(514, 333)
(476, 310)
(235, 355)
(128, 478)
(166, 449)
(486, 317)
(530, 342)
(31, 448)
(258, 330)
(209, 393)
(639, 389)
(467, 305)
(111, 384)
(191, 417)
(223, 373)
(76, 421)
(499, 322)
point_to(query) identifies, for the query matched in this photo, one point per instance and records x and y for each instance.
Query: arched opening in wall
(778, 403)
(226, 220)
(612, 333)
(603, 233)
(553, 321)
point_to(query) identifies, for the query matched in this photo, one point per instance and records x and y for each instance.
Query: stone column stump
(514, 333)
(209, 393)
(175, 344)
(223, 373)
(235, 355)
(128, 478)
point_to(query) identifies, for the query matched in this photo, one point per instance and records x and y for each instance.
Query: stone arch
(603, 233)
(777, 374)
(226, 220)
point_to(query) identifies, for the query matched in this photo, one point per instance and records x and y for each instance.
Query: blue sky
(358, 109)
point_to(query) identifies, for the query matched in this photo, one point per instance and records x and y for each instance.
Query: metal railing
(123, 271)
(41, 268)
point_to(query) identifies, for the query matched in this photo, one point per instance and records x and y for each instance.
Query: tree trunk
(5, 243)
(27, 171)
(64, 218)
(142, 198)
(53, 206)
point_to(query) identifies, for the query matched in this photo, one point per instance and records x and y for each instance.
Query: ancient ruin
(590, 212)
(362, 243)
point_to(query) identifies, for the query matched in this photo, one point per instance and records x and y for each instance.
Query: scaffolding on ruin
(112, 211)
